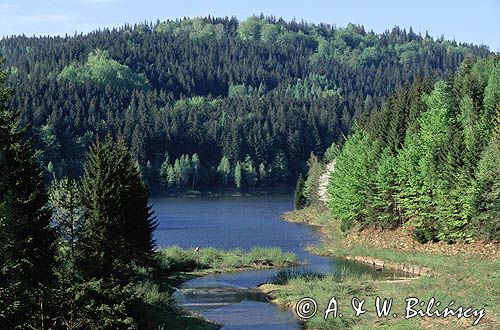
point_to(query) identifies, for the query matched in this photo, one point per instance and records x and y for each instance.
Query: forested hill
(428, 161)
(213, 100)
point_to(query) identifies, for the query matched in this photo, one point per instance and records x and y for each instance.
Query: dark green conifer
(26, 239)
(299, 198)
(118, 230)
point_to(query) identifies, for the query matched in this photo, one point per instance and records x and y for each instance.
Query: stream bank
(467, 274)
(231, 299)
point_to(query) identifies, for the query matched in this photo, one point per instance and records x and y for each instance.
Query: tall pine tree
(118, 230)
(26, 248)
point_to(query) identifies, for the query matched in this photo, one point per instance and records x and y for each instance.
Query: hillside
(427, 161)
(202, 101)
(413, 188)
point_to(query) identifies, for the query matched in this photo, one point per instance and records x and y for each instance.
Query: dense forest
(429, 159)
(87, 120)
(213, 101)
(80, 255)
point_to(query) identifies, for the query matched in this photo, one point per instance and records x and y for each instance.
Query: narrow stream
(230, 222)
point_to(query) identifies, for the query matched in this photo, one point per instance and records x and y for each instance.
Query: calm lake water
(231, 222)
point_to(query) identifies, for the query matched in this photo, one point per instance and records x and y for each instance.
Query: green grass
(177, 265)
(322, 289)
(175, 259)
(468, 280)
(284, 276)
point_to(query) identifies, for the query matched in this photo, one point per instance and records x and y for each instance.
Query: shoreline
(443, 271)
(281, 189)
(192, 320)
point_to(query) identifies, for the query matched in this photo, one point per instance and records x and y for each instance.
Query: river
(230, 222)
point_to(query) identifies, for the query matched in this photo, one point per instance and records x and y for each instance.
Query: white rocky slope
(324, 180)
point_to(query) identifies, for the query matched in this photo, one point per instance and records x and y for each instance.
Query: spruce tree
(311, 184)
(238, 175)
(118, 230)
(384, 202)
(224, 170)
(170, 176)
(68, 216)
(352, 184)
(177, 173)
(249, 172)
(164, 171)
(196, 169)
(115, 239)
(299, 198)
(486, 202)
(26, 249)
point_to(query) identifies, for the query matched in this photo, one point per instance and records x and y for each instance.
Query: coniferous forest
(213, 101)
(407, 126)
(432, 158)
(429, 159)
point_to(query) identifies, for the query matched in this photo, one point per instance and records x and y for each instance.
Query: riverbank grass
(178, 265)
(175, 259)
(470, 280)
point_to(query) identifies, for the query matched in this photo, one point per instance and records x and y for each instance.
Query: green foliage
(471, 130)
(331, 153)
(386, 207)
(262, 173)
(51, 148)
(262, 30)
(352, 185)
(175, 259)
(195, 169)
(313, 86)
(354, 47)
(238, 175)
(118, 230)
(249, 172)
(408, 52)
(299, 200)
(100, 69)
(491, 103)
(164, 173)
(224, 170)
(171, 176)
(486, 191)
(250, 29)
(105, 245)
(26, 252)
(269, 33)
(186, 173)
(423, 161)
(197, 29)
(311, 184)
(68, 216)
(279, 167)
(237, 90)
(218, 87)
(103, 305)
(398, 114)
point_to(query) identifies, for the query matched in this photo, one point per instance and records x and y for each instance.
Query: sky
(464, 21)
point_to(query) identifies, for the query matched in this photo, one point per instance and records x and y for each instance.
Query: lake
(244, 222)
